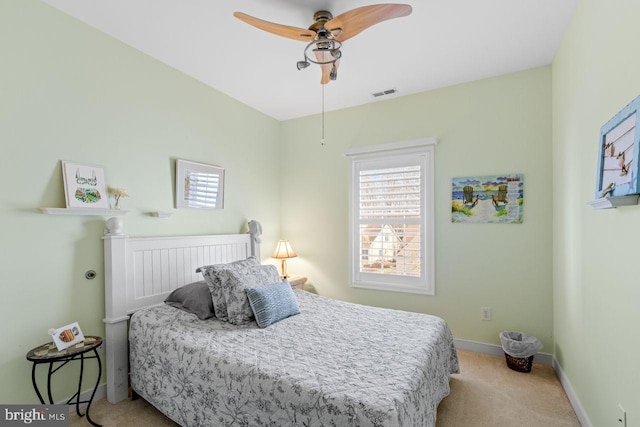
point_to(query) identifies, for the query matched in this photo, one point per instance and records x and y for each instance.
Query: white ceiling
(442, 43)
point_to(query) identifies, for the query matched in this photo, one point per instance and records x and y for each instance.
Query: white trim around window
(391, 216)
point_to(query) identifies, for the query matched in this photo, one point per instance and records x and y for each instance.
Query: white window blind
(199, 186)
(392, 218)
(201, 189)
(389, 220)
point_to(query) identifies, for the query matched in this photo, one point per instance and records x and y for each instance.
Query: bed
(334, 364)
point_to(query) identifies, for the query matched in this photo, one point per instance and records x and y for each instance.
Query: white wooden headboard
(142, 271)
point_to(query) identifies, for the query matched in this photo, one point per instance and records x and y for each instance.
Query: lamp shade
(283, 250)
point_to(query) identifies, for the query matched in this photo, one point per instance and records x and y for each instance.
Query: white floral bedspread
(335, 364)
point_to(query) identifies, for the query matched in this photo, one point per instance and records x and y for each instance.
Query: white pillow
(235, 282)
(213, 276)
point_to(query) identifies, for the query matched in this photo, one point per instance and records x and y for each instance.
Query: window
(391, 216)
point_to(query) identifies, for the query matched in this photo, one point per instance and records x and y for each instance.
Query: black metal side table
(48, 353)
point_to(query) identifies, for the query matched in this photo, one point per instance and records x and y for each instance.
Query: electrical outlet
(486, 313)
(622, 417)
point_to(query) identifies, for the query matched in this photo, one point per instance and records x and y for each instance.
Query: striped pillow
(272, 303)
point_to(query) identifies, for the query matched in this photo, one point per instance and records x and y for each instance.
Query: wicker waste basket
(520, 364)
(519, 349)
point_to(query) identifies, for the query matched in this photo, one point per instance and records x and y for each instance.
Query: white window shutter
(392, 222)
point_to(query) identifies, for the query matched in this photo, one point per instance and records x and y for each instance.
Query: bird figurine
(607, 190)
(621, 164)
(609, 149)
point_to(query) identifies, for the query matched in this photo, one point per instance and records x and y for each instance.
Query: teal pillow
(272, 303)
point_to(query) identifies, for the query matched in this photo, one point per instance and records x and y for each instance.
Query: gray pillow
(235, 284)
(271, 304)
(193, 298)
(212, 275)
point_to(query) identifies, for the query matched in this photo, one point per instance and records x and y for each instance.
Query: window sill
(394, 288)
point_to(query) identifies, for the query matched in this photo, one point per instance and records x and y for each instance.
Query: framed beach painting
(488, 199)
(84, 186)
(618, 167)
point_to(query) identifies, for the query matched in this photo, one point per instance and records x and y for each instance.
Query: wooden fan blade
(277, 29)
(355, 21)
(323, 56)
(326, 72)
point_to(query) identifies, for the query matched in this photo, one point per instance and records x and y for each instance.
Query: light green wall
(494, 126)
(596, 292)
(70, 92)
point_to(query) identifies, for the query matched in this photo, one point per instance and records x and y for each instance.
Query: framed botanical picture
(199, 186)
(618, 155)
(84, 186)
(67, 336)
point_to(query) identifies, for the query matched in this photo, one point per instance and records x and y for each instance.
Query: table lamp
(283, 251)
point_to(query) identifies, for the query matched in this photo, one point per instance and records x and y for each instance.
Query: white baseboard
(571, 394)
(496, 350)
(101, 392)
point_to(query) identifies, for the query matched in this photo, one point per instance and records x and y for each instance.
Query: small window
(391, 216)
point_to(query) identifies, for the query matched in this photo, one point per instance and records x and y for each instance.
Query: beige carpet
(488, 393)
(485, 393)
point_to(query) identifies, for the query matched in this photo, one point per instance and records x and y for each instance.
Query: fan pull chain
(322, 139)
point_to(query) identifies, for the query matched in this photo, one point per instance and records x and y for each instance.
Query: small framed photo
(199, 186)
(67, 336)
(84, 186)
(618, 158)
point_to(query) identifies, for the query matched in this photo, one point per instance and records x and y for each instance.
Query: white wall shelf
(161, 214)
(83, 211)
(614, 201)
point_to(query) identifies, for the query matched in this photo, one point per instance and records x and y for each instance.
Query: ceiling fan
(326, 35)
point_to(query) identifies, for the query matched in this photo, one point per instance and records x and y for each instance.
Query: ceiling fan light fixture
(327, 33)
(331, 47)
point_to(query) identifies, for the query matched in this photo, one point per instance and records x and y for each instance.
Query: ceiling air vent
(384, 93)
